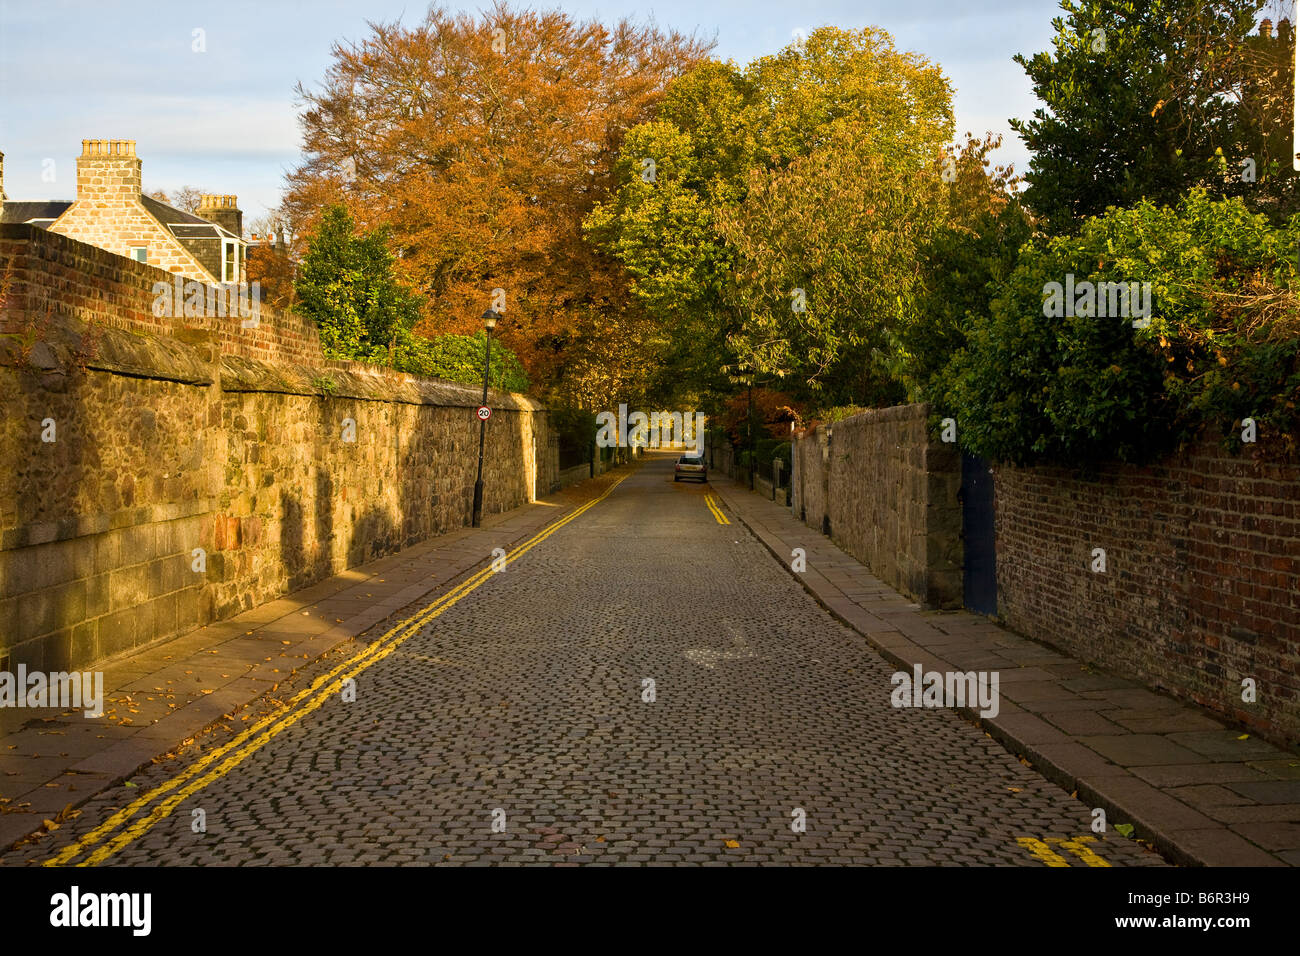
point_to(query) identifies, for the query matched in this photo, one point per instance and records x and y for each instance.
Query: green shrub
(459, 358)
(828, 416)
(347, 287)
(1221, 344)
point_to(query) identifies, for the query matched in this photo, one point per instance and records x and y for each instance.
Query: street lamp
(753, 452)
(489, 323)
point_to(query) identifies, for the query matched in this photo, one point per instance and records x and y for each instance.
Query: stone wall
(52, 277)
(574, 474)
(1202, 582)
(168, 438)
(887, 492)
(809, 457)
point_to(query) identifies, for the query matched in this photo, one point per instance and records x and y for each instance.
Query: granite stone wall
(162, 473)
(886, 492)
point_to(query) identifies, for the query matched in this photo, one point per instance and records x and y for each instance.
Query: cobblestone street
(518, 727)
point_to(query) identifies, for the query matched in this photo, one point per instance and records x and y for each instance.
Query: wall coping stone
(357, 380)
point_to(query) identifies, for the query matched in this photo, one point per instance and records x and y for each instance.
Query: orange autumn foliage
(482, 143)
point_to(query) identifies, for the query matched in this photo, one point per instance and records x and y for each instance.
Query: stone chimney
(108, 171)
(224, 211)
(1266, 27)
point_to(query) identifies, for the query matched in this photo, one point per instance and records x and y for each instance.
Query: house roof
(184, 225)
(40, 213)
(181, 224)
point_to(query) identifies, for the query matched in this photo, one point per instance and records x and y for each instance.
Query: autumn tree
(274, 257)
(483, 142)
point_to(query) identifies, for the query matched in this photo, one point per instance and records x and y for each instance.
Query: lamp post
(753, 452)
(489, 323)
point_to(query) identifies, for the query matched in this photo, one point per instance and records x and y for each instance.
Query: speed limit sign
(484, 413)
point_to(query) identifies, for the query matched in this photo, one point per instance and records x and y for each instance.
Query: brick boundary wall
(169, 439)
(58, 277)
(1202, 584)
(1202, 587)
(888, 492)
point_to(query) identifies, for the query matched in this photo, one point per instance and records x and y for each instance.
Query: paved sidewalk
(158, 698)
(1202, 793)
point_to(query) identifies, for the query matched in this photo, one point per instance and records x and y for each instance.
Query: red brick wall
(70, 278)
(1202, 586)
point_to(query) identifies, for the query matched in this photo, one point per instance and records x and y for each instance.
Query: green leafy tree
(827, 234)
(673, 174)
(1140, 102)
(346, 286)
(1222, 345)
(1257, 161)
(963, 264)
(841, 128)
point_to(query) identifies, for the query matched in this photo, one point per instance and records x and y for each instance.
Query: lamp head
(490, 319)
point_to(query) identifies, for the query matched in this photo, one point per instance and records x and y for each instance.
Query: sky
(225, 119)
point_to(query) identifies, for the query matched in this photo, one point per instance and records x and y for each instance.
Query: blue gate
(980, 578)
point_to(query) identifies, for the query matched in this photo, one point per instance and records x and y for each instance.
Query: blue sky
(225, 120)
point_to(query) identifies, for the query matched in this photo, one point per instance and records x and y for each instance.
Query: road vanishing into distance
(643, 683)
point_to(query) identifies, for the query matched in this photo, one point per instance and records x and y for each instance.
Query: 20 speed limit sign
(484, 413)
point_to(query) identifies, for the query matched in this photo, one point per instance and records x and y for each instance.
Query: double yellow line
(1077, 846)
(716, 507)
(163, 799)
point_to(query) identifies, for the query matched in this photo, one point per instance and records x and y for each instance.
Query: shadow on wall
(307, 560)
(420, 485)
(55, 473)
(373, 536)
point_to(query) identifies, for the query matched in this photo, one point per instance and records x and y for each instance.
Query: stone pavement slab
(159, 696)
(1202, 793)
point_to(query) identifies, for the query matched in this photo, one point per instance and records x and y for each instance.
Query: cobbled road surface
(515, 729)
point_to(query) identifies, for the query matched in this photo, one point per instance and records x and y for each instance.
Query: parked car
(690, 466)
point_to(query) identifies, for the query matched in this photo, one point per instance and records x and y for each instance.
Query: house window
(229, 260)
(140, 253)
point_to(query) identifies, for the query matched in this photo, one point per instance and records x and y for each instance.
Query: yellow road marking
(267, 728)
(713, 509)
(1076, 846)
(1040, 849)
